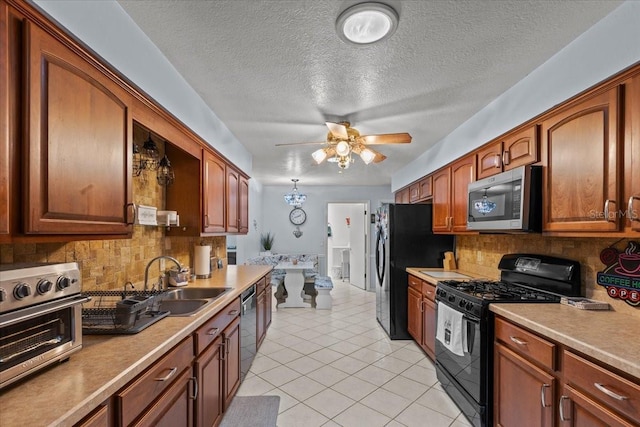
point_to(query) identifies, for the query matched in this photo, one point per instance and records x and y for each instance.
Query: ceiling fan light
(343, 148)
(366, 23)
(319, 155)
(367, 156)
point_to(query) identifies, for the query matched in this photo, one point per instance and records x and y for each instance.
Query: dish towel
(449, 329)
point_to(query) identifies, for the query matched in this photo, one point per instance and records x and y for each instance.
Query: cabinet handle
(517, 340)
(227, 344)
(630, 213)
(609, 393)
(212, 331)
(543, 399)
(561, 408)
(223, 354)
(233, 312)
(172, 371)
(497, 161)
(505, 158)
(206, 221)
(421, 306)
(606, 210)
(195, 388)
(130, 208)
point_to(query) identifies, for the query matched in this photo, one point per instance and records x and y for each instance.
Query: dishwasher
(248, 318)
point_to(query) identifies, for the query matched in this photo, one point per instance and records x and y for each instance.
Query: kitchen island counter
(65, 393)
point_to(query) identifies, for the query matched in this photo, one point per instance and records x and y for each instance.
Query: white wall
(276, 215)
(606, 48)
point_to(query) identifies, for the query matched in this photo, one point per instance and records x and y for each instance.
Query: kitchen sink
(188, 301)
(195, 293)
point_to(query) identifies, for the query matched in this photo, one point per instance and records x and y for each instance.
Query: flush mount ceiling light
(367, 23)
(295, 198)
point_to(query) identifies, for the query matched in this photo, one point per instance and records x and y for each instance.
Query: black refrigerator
(403, 239)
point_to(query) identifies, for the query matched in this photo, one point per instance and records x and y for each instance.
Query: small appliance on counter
(40, 317)
(178, 278)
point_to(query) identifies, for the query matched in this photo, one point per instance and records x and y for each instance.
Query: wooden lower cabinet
(100, 417)
(522, 391)
(261, 312)
(175, 407)
(231, 368)
(529, 385)
(208, 370)
(421, 311)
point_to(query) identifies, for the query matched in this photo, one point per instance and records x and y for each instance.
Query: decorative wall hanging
(621, 277)
(297, 232)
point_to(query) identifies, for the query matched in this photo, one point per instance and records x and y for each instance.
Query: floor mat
(252, 411)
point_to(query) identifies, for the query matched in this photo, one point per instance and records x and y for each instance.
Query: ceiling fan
(343, 140)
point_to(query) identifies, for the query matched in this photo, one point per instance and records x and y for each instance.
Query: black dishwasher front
(248, 318)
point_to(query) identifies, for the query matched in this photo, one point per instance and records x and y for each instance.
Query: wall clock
(297, 216)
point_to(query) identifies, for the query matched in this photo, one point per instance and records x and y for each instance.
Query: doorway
(348, 242)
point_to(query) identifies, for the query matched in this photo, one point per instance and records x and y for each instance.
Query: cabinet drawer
(603, 385)
(141, 392)
(213, 328)
(526, 343)
(429, 291)
(415, 283)
(261, 285)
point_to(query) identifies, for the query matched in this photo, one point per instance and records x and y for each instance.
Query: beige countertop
(441, 274)
(65, 393)
(607, 336)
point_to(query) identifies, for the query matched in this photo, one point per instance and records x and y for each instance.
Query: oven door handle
(471, 332)
(46, 308)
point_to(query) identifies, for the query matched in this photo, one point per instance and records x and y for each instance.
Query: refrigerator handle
(380, 271)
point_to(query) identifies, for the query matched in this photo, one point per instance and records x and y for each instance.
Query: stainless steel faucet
(146, 270)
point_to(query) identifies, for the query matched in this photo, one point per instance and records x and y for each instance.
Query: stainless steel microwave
(510, 201)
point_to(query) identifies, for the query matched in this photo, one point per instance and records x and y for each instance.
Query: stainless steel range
(466, 370)
(40, 317)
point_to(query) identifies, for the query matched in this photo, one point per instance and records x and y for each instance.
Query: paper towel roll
(201, 264)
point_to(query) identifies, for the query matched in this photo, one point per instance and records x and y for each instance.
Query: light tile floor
(338, 368)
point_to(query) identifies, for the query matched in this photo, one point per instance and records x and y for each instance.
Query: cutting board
(449, 262)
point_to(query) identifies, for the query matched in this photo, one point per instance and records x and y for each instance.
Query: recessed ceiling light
(366, 23)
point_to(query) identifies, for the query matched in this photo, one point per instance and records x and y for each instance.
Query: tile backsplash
(481, 254)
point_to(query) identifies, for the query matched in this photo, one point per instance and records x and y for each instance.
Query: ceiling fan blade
(387, 138)
(337, 130)
(300, 143)
(379, 157)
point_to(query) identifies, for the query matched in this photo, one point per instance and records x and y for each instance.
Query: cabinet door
(463, 172)
(100, 417)
(174, 408)
(414, 193)
(632, 154)
(489, 160)
(214, 194)
(578, 410)
(429, 327)
(5, 102)
(440, 204)
(231, 335)
(522, 391)
(78, 144)
(269, 299)
(414, 312)
(208, 369)
(243, 205)
(261, 315)
(425, 188)
(233, 180)
(520, 149)
(582, 157)
(403, 196)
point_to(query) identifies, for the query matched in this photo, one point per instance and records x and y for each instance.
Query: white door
(358, 243)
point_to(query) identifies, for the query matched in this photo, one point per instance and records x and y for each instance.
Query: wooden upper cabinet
(632, 154)
(214, 194)
(78, 144)
(403, 196)
(440, 203)
(517, 149)
(414, 192)
(425, 188)
(233, 219)
(581, 152)
(5, 156)
(463, 172)
(243, 205)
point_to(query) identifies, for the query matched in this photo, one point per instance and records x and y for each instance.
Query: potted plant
(266, 241)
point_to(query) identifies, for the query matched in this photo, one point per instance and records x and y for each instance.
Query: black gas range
(465, 370)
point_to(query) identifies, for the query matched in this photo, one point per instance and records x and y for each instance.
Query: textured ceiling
(274, 70)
